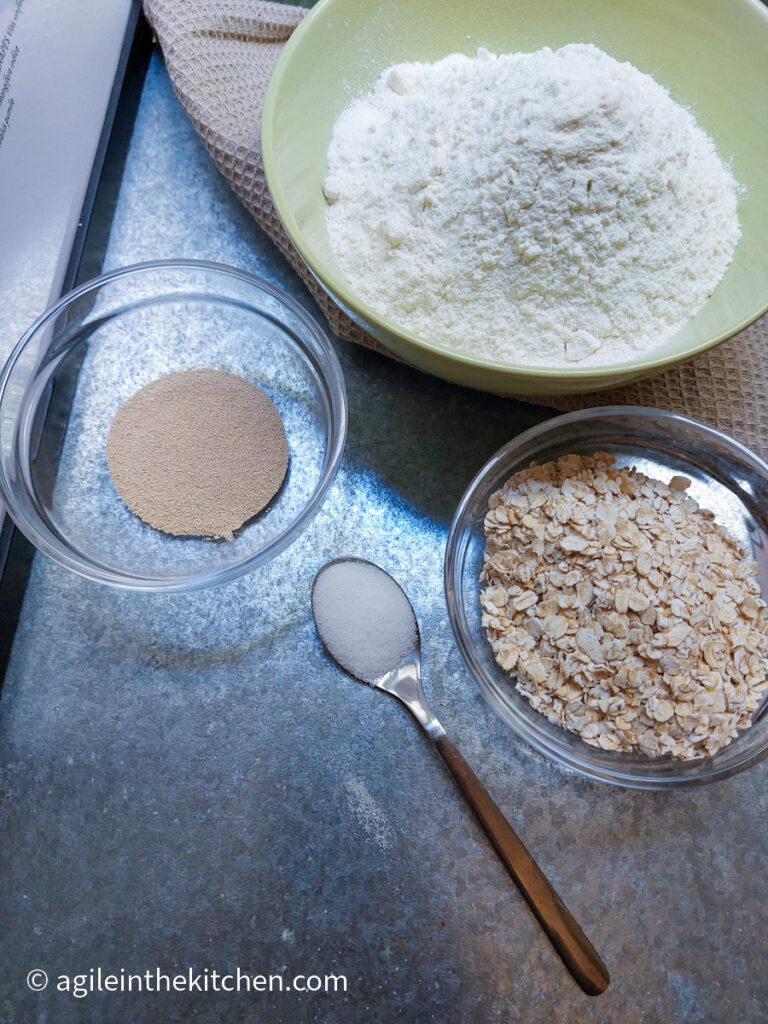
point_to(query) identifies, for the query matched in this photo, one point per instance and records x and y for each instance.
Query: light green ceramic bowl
(712, 55)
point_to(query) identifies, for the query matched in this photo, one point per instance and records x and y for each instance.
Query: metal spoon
(403, 681)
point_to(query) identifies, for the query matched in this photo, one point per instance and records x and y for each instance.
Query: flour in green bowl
(550, 208)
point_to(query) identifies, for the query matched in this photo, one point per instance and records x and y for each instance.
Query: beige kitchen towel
(220, 55)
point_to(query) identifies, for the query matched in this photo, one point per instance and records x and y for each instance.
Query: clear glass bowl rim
(551, 745)
(326, 364)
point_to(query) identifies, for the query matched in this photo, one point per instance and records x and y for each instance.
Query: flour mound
(550, 208)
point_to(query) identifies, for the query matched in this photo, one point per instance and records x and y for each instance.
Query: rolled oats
(626, 613)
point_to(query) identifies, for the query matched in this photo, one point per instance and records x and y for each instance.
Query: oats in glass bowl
(626, 613)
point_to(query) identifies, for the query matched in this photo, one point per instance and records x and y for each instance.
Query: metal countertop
(187, 782)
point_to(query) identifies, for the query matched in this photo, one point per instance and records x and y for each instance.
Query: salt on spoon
(363, 617)
(367, 625)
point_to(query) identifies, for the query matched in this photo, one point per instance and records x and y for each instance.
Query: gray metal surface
(188, 783)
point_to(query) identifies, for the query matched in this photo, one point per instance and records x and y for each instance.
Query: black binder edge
(85, 262)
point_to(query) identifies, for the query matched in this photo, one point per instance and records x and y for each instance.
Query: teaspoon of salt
(368, 627)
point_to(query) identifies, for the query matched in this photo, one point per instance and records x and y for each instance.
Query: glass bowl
(83, 358)
(726, 478)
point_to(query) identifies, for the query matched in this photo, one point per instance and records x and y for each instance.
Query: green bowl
(710, 54)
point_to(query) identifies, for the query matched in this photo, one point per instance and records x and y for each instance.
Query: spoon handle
(575, 949)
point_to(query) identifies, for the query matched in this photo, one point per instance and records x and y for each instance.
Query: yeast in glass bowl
(80, 361)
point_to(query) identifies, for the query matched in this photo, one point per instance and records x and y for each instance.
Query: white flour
(543, 208)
